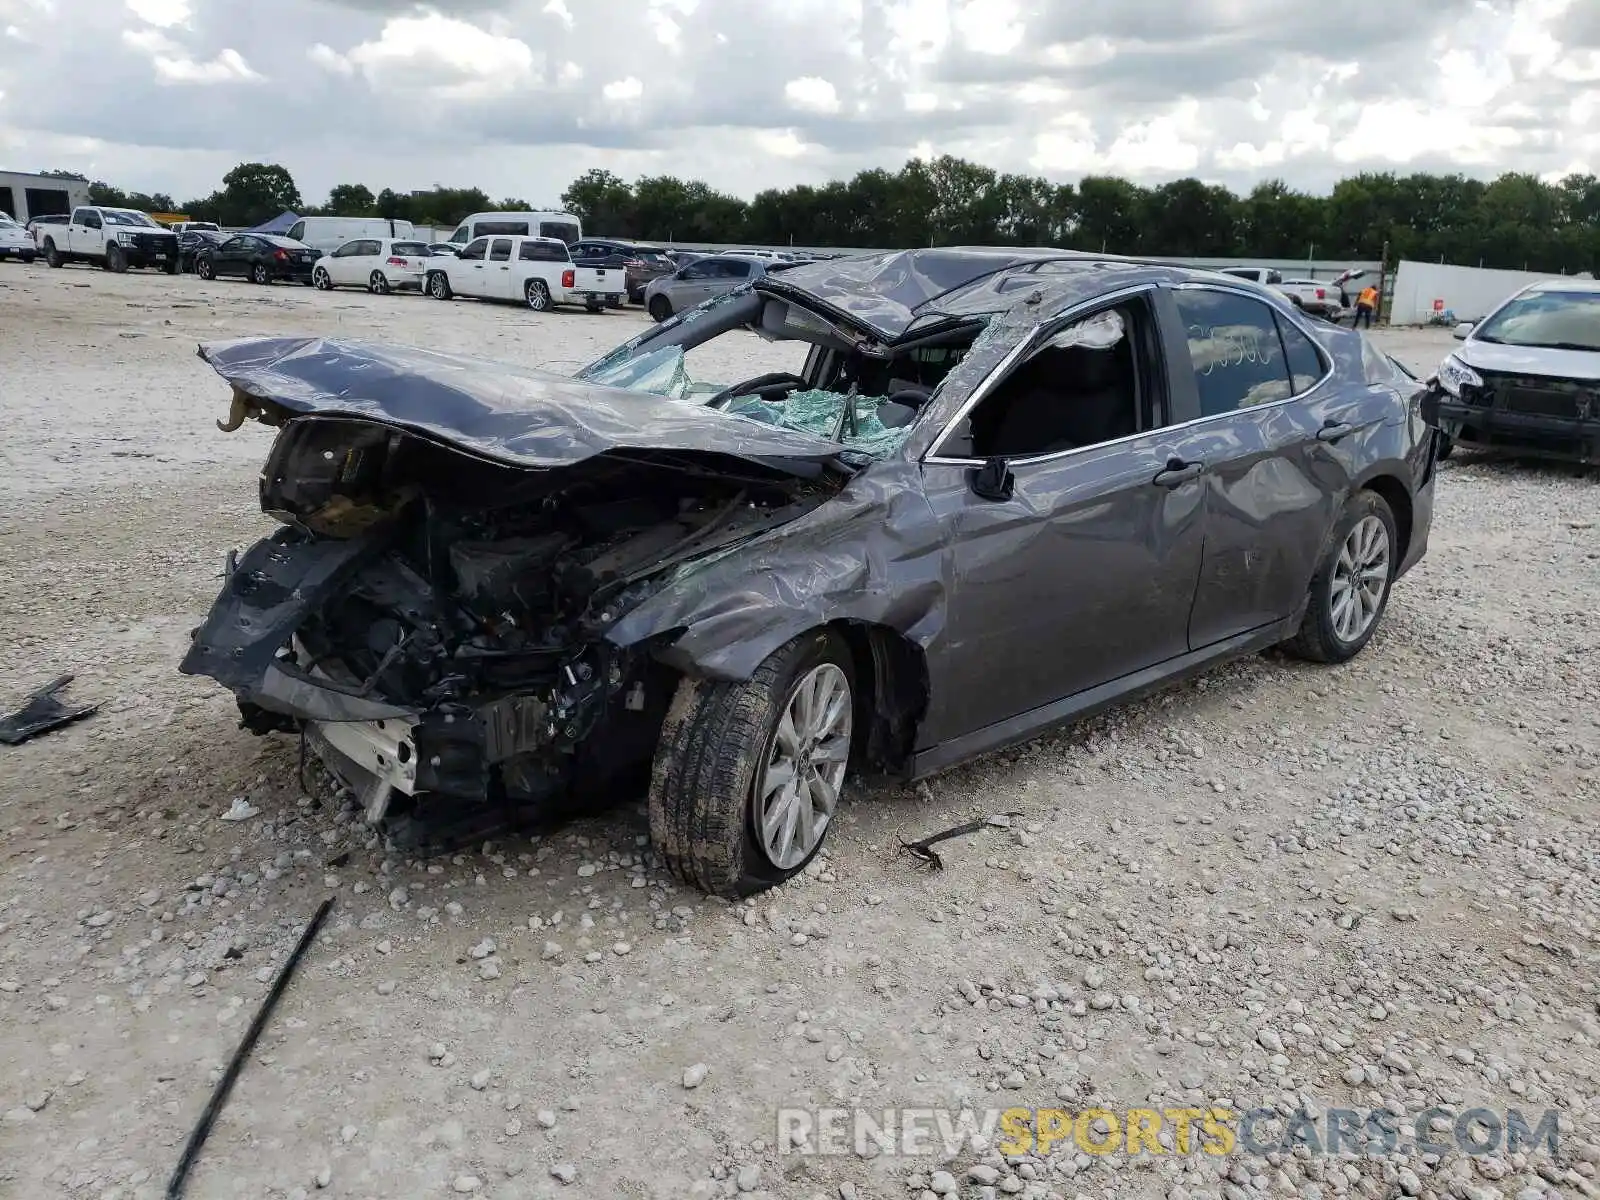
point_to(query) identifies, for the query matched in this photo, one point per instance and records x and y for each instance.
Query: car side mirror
(993, 480)
(1460, 331)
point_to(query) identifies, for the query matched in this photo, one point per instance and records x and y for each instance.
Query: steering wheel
(775, 381)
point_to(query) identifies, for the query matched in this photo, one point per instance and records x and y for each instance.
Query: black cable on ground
(219, 1097)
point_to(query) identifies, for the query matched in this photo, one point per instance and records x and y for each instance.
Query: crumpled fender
(873, 554)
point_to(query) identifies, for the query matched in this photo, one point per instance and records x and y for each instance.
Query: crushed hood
(1531, 360)
(506, 413)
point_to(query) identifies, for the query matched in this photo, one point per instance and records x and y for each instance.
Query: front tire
(439, 285)
(1350, 591)
(116, 260)
(747, 775)
(378, 284)
(204, 268)
(660, 308)
(537, 294)
(321, 280)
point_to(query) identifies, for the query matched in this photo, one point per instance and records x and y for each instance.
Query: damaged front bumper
(476, 750)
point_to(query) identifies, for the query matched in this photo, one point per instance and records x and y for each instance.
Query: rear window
(543, 252)
(417, 249)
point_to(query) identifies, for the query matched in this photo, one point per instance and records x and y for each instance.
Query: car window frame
(1280, 314)
(500, 250)
(1025, 349)
(462, 254)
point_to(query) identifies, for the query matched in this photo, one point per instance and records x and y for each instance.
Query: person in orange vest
(1366, 305)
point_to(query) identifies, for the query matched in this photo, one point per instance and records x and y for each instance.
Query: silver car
(700, 281)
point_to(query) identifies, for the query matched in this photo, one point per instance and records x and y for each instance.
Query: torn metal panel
(874, 554)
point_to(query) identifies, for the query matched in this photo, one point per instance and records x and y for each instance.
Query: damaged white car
(1000, 489)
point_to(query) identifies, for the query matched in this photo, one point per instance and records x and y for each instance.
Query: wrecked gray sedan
(999, 489)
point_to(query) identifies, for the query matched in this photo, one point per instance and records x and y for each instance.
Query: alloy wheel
(800, 783)
(1360, 578)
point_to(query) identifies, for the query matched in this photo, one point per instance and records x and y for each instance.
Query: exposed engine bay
(435, 624)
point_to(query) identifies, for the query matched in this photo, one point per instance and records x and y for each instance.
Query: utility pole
(1383, 273)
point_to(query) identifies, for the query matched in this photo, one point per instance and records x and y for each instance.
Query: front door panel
(1086, 574)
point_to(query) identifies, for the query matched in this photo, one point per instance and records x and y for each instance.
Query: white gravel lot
(1362, 887)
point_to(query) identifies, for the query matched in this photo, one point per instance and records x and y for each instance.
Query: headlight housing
(1454, 375)
(124, 235)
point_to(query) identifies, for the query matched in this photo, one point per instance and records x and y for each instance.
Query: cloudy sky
(520, 96)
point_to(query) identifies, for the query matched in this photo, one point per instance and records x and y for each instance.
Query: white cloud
(989, 26)
(449, 58)
(1168, 144)
(812, 94)
(328, 58)
(163, 14)
(621, 91)
(173, 65)
(784, 143)
(559, 10)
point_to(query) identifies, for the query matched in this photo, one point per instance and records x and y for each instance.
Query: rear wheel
(321, 280)
(52, 256)
(378, 284)
(660, 308)
(1350, 590)
(747, 775)
(260, 275)
(438, 285)
(537, 294)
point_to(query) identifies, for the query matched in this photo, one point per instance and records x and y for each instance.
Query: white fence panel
(1470, 292)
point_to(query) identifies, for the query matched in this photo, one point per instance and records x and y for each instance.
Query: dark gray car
(699, 281)
(998, 490)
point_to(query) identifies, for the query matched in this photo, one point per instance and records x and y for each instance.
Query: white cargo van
(329, 233)
(559, 225)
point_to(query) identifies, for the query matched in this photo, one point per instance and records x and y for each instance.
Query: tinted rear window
(417, 249)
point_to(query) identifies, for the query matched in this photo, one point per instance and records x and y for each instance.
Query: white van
(329, 233)
(563, 226)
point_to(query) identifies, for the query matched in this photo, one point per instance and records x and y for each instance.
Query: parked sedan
(381, 265)
(713, 275)
(192, 241)
(1527, 377)
(997, 490)
(15, 241)
(258, 257)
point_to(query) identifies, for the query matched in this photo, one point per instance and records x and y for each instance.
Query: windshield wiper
(1556, 346)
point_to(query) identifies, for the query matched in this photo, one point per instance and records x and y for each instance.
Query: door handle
(505, 268)
(1177, 472)
(1332, 431)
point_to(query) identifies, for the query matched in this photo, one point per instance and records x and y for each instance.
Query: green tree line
(1515, 221)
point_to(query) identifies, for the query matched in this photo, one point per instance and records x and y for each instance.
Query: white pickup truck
(115, 238)
(537, 271)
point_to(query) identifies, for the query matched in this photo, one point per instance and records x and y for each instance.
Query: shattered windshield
(776, 362)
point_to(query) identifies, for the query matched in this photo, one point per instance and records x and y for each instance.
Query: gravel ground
(1362, 887)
